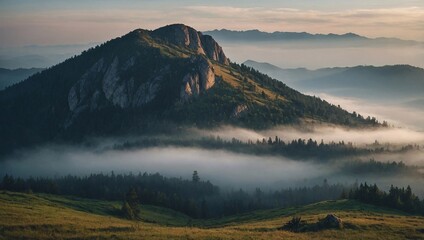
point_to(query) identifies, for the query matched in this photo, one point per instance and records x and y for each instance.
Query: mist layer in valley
(228, 169)
(391, 93)
(315, 55)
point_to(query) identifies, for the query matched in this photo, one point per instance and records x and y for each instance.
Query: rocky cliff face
(112, 81)
(199, 80)
(104, 83)
(184, 36)
(109, 84)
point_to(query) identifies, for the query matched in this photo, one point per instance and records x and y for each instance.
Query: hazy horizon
(49, 22)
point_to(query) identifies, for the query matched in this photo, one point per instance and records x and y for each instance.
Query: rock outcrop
(105, 82)
(184, 36)
(199, 80)
(330, 221)
(239, 110)
(80, 95)
(213, 50)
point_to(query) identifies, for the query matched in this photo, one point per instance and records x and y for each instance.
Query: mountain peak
(172, 75)
(184, 36)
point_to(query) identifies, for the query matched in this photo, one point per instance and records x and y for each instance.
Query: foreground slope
(148, 80)
(51, 217)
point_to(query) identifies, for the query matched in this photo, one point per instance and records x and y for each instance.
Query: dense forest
(302, 149)
(196, 198)
(202, 199)
(398, 198)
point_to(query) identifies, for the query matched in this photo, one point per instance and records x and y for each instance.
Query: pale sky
(51, 22)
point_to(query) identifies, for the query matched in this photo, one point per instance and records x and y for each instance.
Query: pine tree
(127, 211)
(195, 177)
(132, 200)
(344, 195)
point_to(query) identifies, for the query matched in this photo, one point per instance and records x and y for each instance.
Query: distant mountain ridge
(256, 35)
(146, 80)
(361, 81)
(9, 77)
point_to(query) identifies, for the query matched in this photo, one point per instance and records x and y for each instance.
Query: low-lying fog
(396, 113)
(220, 167)
(314, 56)
(223, 168)
(328, 134)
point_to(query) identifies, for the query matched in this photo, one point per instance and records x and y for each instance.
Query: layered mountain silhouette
(148, 81)
(291, 37)
(256, 35)
(9, 77)
(386, 83)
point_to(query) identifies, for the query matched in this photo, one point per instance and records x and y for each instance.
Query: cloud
(390, 22)
(226, 169)
(327, 133)
(220, 167)
(395, 113)
(87, 25)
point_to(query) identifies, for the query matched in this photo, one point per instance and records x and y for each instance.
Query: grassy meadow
(40, 216)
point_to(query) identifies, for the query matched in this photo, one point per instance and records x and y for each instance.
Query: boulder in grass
(330, 221)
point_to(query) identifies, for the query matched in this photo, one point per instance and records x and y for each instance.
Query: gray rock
(129, 63)
(191, 86)
(213, 50)
(80, 93)
(239, 110)
(73, 98)
(147, 91)
(95, 101)
(120, 96)
(184, 36)
(331, 221)
(199, 80)
(110, 79)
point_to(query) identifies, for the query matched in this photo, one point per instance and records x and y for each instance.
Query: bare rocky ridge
(184, 36)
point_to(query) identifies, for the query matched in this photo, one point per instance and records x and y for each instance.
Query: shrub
(295, 224)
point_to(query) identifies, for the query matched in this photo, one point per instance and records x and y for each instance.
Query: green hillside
(38, 216)
(150, 80)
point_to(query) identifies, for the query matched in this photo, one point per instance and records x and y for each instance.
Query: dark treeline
(202, 199)
(297, 149)
(376, 168)
(196, 198)
(398, 198)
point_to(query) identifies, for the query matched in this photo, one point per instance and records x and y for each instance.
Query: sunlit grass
(234, 78)
(39, 216)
